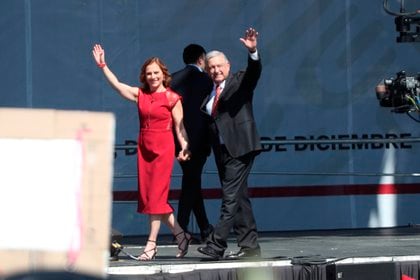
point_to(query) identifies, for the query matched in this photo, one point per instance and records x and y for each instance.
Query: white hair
(212, 54)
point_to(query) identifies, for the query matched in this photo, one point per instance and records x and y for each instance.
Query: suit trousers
(191, 199)
(236, 211)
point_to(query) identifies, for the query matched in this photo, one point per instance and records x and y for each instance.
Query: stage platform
(386, 253)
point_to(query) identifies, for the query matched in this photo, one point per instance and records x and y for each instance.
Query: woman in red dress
(160, 110)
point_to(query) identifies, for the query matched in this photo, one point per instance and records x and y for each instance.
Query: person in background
(193, 84)
(160, 111)
(235, 143)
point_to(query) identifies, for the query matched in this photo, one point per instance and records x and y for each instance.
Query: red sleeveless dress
(155, 150)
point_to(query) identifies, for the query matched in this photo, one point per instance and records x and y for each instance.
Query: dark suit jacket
(234, 120)
(194, 85)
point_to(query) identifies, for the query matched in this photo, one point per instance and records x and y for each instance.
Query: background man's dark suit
(234, 123)
(193, 85)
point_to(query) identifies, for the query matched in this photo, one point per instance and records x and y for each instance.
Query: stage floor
(279, 249)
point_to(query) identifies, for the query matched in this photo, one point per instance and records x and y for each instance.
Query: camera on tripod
(402, 93)
(407, 24)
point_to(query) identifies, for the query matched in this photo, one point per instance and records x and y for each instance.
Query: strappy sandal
(149, 254)
(183, 239)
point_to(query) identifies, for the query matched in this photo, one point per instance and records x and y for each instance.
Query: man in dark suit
(235, 143)
(193, 84)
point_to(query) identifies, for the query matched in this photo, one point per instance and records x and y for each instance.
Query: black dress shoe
(205, 233)
(245, 254)
(209, 251)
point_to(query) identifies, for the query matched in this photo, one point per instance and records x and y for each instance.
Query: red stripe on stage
(289, 191)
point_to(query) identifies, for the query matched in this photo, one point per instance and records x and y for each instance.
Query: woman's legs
(171, 222)
(150, 249)
(155, 221)
(182, 238)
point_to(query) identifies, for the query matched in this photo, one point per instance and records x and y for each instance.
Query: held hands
(184, 155)
(99, 55)
(250, 39)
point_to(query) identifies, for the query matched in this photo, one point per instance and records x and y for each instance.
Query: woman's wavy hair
(166, 75)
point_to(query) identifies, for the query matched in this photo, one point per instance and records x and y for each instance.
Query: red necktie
(216, 100)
